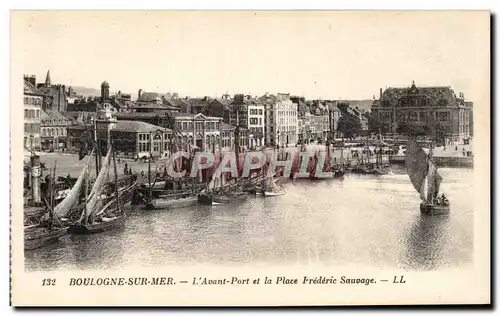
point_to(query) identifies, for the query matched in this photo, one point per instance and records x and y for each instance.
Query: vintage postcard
(240, 158)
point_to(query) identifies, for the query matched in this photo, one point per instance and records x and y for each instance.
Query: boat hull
(97, 227)
(162, 204)
(221, 199)
(35, 241)
(432, 209)
(270, 193)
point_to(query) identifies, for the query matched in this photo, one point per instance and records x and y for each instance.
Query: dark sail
(435, 182)
(416, 164)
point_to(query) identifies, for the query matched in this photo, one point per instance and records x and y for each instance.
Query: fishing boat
(273, 189)
(426, 180)
(47, 232)
(100, 213)
(218, 191)
(46, 228)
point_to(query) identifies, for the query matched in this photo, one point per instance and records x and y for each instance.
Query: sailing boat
(100, 214)
(425, 179)
(272, 188)
(166, 199)
(48, 230)
(219, 191)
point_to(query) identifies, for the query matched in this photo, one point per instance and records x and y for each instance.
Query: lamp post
(31, 141)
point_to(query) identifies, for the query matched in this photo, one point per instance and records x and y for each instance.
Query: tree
(376, 126)
(349, 125)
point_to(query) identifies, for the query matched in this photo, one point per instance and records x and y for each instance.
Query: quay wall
(456, 162)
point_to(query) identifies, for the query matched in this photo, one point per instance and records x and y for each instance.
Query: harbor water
(367, 220)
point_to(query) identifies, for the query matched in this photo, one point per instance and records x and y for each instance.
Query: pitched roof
(434, 94)
(199, 115)
(132, 126)
(53, 115)
(53, 91)
(227, 127)
(222, 101)
(150, 106)
(30, 88)
(148, 97)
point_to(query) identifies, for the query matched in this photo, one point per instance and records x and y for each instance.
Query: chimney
(139, 93)
(380, 94)
(31, 79)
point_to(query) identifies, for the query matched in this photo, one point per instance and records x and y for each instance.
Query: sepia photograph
(194, 150)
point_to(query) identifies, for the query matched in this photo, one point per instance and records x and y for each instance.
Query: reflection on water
(367, 220)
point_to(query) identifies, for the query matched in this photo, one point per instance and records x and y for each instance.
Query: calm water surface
(366, 220)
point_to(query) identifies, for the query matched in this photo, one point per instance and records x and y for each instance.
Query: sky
(327, 55)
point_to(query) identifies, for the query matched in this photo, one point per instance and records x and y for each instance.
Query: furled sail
(94, 198)
(63, 208)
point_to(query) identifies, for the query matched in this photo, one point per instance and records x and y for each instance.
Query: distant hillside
(361, 104)
(86, 92)
(91, 92)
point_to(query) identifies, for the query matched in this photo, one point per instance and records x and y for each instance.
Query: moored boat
(426, 180)
(37, 237)
(101, 213)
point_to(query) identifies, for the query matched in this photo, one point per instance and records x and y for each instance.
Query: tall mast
(96, 145)
(149, 166)
(116, 180)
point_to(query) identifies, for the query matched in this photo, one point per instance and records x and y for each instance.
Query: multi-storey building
(313, 121)
(228, 137)
(334, 117)
(131, 139)
(425, 105)
(54, 128)
(281, 122)
(199, 130)
(33, 101)
(247, 113)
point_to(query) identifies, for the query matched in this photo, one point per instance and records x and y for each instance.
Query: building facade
(425, 105)
(228, 137)
(247, 113)
(32, 101)
(54, 128)
(199, 130)
(334, 117)
(131, 139)
(284, 122)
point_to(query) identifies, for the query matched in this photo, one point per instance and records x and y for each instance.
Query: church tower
(47, 79)
(104, 91)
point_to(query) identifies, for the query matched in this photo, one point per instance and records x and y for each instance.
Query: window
(260, 112)
(443, 116)
(37, 114)
(25, 113)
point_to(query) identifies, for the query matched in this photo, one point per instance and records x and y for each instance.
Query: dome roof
(105, 84)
